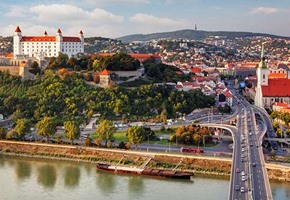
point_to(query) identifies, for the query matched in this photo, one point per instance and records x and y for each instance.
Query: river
(35, 179)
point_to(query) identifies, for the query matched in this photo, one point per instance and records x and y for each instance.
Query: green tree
(135, 134)
(46, 127)
(34, 68)
(17, 115)
(71, 130)
(106, 130)
(22, 127)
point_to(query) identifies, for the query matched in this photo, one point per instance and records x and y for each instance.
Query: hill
(193, 35)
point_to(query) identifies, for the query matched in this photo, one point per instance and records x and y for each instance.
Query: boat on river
(162, 173)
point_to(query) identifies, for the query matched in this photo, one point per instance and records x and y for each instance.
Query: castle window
(263, 76)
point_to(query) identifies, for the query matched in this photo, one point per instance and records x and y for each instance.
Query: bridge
(249, 178)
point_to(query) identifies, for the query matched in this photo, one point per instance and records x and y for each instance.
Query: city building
(270, 90)
(46, 46)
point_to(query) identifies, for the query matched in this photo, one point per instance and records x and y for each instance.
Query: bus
(191, 150)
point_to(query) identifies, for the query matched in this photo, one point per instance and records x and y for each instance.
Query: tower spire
(262, 63)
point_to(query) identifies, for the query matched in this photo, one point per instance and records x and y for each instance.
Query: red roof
(277, 88)
(48, 39)
(134, 55)
(277, 75)
(81, 32)
(195, 70)
(105, 72)
(71, 39)
(18, 30)
(45, 33)
(58, 30)
(228, 94)
(38, 38)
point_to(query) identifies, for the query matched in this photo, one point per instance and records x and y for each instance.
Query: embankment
(195, 163)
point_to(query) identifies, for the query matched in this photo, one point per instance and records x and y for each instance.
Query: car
(243, 178)
(237, 187)
(254, 164)
(242, 189)
(237, 170)
(243, 173)
(243, 149)
(250, 133)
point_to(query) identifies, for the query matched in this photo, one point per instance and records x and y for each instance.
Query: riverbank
(185, 162)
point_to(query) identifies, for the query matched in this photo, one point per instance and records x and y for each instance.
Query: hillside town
(207, 62)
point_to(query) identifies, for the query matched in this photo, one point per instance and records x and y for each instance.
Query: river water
(36, 179)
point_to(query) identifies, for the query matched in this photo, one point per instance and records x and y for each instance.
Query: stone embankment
(186, 162)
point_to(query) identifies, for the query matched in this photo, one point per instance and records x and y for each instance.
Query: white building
(46, 46)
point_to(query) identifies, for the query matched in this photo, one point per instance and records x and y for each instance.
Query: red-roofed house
(46, 46)
(269, 91)
(105, 78)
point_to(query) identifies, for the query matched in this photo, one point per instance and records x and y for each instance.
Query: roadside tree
(2, 133)
(46, 127)
(136, 135)
(106, 130)
(71, 130)
(22, 127)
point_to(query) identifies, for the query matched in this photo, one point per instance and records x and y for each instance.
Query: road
(249, 159)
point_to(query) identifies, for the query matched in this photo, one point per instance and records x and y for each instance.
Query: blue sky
(115, 18)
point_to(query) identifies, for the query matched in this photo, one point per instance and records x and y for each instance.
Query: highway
(249, 178)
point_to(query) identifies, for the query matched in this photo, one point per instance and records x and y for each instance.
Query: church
(46, 46)
(271, 89)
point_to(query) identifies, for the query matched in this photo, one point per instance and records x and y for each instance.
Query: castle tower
(16, 42)
(59, 40)
(82, 36)
(262, 79)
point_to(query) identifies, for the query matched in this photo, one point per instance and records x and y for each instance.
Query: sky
(116, 18)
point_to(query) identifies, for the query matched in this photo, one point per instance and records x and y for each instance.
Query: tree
(17, 115)
(71, 130)
(135, 134)
(22, 127)
(106, 130)
(46, 127)
(34, 68)
(2, 133)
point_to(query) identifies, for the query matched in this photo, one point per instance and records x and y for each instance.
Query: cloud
(130, 2)
(264, 10)
(16, 11)
(151, 20)
(69, 14)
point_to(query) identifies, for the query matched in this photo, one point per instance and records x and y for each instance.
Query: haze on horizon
(116, 18)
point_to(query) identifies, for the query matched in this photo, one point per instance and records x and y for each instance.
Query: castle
(46, 46)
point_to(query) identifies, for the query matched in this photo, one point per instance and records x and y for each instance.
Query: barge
(162, 173)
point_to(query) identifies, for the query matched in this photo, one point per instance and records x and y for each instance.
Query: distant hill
(192, 34)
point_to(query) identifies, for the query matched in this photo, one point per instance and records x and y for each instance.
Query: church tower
(262, 79)
(16, 42)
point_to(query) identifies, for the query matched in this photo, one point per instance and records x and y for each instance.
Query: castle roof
(58, 30)
(277, 88)
(47, 38)
(17, 30)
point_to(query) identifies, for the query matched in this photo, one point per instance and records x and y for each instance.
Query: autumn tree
(46, 127)
(2, 133)
(22, 127)
(136, 134)
(106, 130)
(71, 130)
